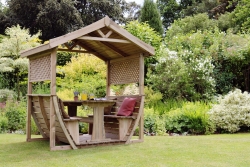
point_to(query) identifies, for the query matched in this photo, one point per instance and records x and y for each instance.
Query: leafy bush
(5, 94)
(232, 111)
(3, 124)
(16, 113)
(154, 124)
(192, 117)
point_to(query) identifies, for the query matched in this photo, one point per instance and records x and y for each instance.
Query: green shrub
(192, 117)
(16, 113)
(232, 111)
(154, 124)
(3, 124)
(5, 94)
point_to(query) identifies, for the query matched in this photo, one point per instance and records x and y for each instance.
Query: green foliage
(153, 123)
(170, 11)
(16, 114)
(144, 32)
(13, 69)
(191, 118)
(241, 15)
(170, 76)
(190, 24)
(6, 94)
(3, 124)
(232, 111)
(215, 60)
(151, 15)
(64, 57)
(84, 73)
(204, 6)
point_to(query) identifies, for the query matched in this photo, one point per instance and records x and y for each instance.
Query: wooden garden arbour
(123, 53)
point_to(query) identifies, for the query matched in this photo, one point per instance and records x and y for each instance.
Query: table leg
(98, 132)
(72, 111)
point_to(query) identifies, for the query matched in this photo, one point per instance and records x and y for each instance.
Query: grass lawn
(227, 150)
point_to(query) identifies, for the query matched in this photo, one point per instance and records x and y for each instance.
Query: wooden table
(98, 133)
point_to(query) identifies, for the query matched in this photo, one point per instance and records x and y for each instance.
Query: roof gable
(104, 38)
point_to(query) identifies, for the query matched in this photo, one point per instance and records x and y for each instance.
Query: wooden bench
(120, 127)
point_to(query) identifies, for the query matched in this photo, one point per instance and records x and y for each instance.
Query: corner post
(53, 93)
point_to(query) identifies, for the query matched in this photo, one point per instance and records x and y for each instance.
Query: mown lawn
(227, 150)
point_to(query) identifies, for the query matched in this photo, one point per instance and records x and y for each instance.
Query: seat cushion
(127, 107)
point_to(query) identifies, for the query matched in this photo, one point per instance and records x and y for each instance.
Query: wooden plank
(44, 112)
(103, 39)
(91, 50)
(35, 50)
(56, 107)
(100, 33)
(28, 122)
(76, 51)
(106, 124)
(108, 79)
(68, 37)
(109, 33)
(53, 72)
(37, 123)
(38, 139)
(65, 147)
(136, 122)
(111, 130)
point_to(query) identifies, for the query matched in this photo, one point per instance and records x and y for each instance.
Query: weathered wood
(59, 117)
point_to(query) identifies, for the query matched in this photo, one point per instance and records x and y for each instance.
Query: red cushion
(127, 107)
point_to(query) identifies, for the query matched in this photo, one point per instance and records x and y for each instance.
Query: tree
(197, 7)
(170, 11)
(53, 18)
(12, 67)
(150, 14)
(92, 10)
(58, 17)
(241, 16)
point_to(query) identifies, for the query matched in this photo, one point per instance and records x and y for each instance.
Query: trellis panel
(126, 71)
(40, 68)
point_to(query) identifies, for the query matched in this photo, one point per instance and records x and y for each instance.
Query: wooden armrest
(72, 119)
(120, 117)
(85, 119)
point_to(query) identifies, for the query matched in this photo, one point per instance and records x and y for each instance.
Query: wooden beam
(104, 39)
(108, 79)
(114, 49)
(77, 51)
(76, 34)
(109, 33)
(91, 50)
(53, 92)
(101, 33)
(35, 50)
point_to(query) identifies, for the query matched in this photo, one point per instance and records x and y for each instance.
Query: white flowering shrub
(232, 111)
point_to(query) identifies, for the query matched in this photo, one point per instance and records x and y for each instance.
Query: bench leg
(73, 128)
(124, 125)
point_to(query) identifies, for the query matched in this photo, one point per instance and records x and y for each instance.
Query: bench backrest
(119, 100)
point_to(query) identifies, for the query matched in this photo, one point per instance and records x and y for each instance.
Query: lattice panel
(124, 71)
(40, 69)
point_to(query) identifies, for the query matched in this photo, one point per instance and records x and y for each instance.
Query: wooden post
(108, 79)
(29, 107)
(53, 93)
(141, 92)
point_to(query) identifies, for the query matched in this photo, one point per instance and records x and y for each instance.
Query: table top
(89, 102)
